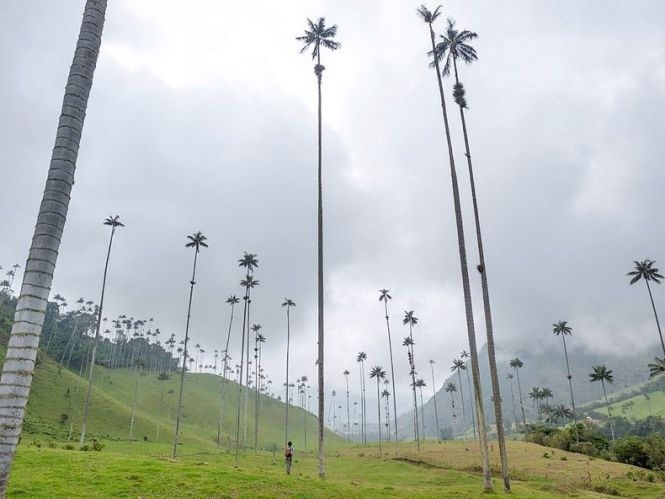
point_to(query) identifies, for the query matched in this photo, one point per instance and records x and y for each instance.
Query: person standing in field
(288, 457)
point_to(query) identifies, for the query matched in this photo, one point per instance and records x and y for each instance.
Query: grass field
(449, 469)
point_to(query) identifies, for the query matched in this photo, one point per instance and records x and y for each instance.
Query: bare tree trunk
(475, 372)
(653, 305)
(392, 372)
(19, 363)
(482, 268)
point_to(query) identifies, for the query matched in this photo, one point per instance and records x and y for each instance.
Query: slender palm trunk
(392, 372)
(362, 426)
(224, 379)
(519, 390)
(512, 396)
(242, 354)
(244, 439)
(609, 413)
(134, 400)
(653, 305)
(461, 393)
(496, 391)
(348, 413)
(86, 406)
(378, 411)
(422, 411)
(487, 478)
(184, 358)
(570, 383)
(436, 410)
(288, 344)
(322, 470)
(256, 391)
(19, 362)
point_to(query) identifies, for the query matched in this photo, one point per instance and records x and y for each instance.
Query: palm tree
(451, 388)
(384, 296)
(288, 303)
(231, 300)
(517, 364)
(657, 367)
(385, 394)
(38, 275)
(196, 241)
(603, 374)
(429, 17)
(378, 373)
(256, 328)
(535, 395)
(454, 46)
(249, 261)
(319, 35)
(361, 358)
(348, 414)
(561, 412)
(466, 357)
(562, 329)
(113, 222)
(163, 376)
(412, 320)
(645, 270)
(420, 383)
(510, 377)
(458, 366)
(436, 410)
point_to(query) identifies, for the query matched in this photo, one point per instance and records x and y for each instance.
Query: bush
(631, 450)
(97, 445)
(68, 447)
(584, 448)
(85, 448)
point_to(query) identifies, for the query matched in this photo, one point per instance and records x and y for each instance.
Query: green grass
(450, 469)
(651, 404)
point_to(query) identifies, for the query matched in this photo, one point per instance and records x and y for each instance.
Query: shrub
(97, 445)
(68, 447)
(85, 448)
(631, 450)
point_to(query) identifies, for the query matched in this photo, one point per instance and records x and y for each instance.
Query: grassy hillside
(56, 402)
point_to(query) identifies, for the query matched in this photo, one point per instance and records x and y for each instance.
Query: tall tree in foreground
(455, 45)
(113, 222)
(196, 241)
(288, 303)
(30, 311)
(436, 410)
(517, 364)
(429, 17)
(378, 373)
(562, 329)
(316, 36)
(384, 296)
(646, 271)
(603, 374)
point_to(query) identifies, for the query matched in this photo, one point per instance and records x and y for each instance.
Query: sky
(202, 117)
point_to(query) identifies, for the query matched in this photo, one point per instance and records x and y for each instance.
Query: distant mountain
(542, 369)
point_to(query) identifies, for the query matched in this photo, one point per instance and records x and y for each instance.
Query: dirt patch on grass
(417, 462)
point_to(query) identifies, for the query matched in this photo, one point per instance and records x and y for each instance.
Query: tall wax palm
(451, 388)
(510, 377)
(411, 320)
(113, 222)
(317, 36)
(517, 364)
(458, 366)
(256, 328)
(429, 17)
(249, 261)
(231, 300)
(535, 395)
(384, 296)
(361, 358)
(436, 410)
(466, 357)
(288, 303)
(603, 374)
(420, 384)
(38, 275)
(348, 413)
(562, 329)
(455, 45)
(378, 373)
(646, 271)
(196, 241)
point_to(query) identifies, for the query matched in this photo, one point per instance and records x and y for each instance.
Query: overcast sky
(203, 117)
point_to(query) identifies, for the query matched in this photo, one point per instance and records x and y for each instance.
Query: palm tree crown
(453, 45)
(601, 373)
(114, 221)
(385, 295)
(427, 15)
(318, 34)
(196, 240)
(249, 261)
(409, 318)
(645, 270)
(561, 328)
